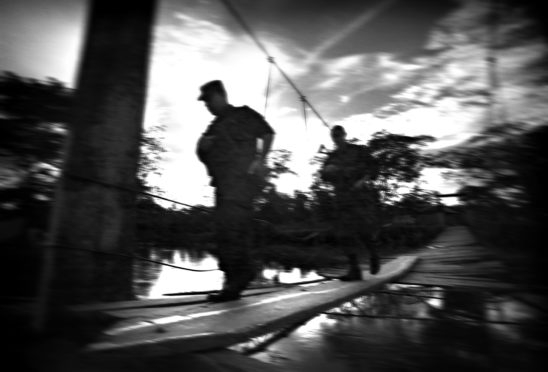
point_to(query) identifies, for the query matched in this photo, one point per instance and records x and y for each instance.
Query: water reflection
(419, 328)
(153, 280)
(397, 328)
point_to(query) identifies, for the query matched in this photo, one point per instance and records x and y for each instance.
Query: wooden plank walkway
(168, 330)
(455, 259)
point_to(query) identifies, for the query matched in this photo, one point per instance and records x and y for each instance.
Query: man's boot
(236, 281)
(354, 270)
(374, 263)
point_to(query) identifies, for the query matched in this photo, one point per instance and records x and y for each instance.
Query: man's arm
(258, 164)
(262, 131)
(267, 139)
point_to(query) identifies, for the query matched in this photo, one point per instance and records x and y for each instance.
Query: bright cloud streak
(352, 27)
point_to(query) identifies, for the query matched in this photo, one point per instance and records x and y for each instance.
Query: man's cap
(215, 86)
(338, 128)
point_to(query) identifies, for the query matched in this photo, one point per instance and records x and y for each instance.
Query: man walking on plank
(350, 168)
(229, 149)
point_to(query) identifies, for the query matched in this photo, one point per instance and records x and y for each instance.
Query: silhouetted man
(230, 150)
(350, 168)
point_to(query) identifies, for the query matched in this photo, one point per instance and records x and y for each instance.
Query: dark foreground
(398, 328)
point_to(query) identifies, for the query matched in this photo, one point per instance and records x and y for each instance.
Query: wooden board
(179, 300)
(217, 325)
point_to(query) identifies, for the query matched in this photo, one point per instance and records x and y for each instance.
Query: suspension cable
(232, 10)
(303, 100)
(267, 92)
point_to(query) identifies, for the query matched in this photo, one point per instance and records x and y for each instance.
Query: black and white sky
(407, 66)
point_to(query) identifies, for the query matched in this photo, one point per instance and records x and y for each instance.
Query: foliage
(504, 182)
(501, 165)
(398, 157)
(271, 205)
(279, 159)
(416, 201)
(152, 152)
(33, 115)
(296, 229)
(34, 120)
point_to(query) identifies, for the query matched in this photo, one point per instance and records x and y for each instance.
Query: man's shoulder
(359, 148)
(248, 111)
(252, 118)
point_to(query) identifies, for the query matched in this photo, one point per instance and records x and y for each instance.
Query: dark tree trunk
(103, 146)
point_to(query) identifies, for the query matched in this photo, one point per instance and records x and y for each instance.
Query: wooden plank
(462, 279)
(161, 302)
(456, 253)
(453, 266)
(251, 287)
(217, 325)
(418, 279)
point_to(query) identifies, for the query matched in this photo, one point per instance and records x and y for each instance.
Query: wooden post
(103, 146)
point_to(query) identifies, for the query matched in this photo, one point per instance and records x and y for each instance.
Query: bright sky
(352, 59)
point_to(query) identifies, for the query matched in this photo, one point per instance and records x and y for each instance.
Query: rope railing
(128, 189)
(128, 256)
(134, 191)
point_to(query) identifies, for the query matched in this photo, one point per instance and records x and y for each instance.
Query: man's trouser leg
(359, 217)
(368, 231)
(234, 214)
(234, 236)
(346, 234)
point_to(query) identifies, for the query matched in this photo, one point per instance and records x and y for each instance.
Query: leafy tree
(152, 152)
(399, 158)
(34, 117)
(417, 201)
(272, 205)
(400, 161)
(503, 185)
(499, 165)
(279, 159)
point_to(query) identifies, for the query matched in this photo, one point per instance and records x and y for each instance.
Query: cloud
(189, 51)
(449, 98)
(441, 93)
(362, 19)
(354, 77)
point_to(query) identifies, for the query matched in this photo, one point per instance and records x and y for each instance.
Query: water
(388, 332)
(154, 281)
(401, 328)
